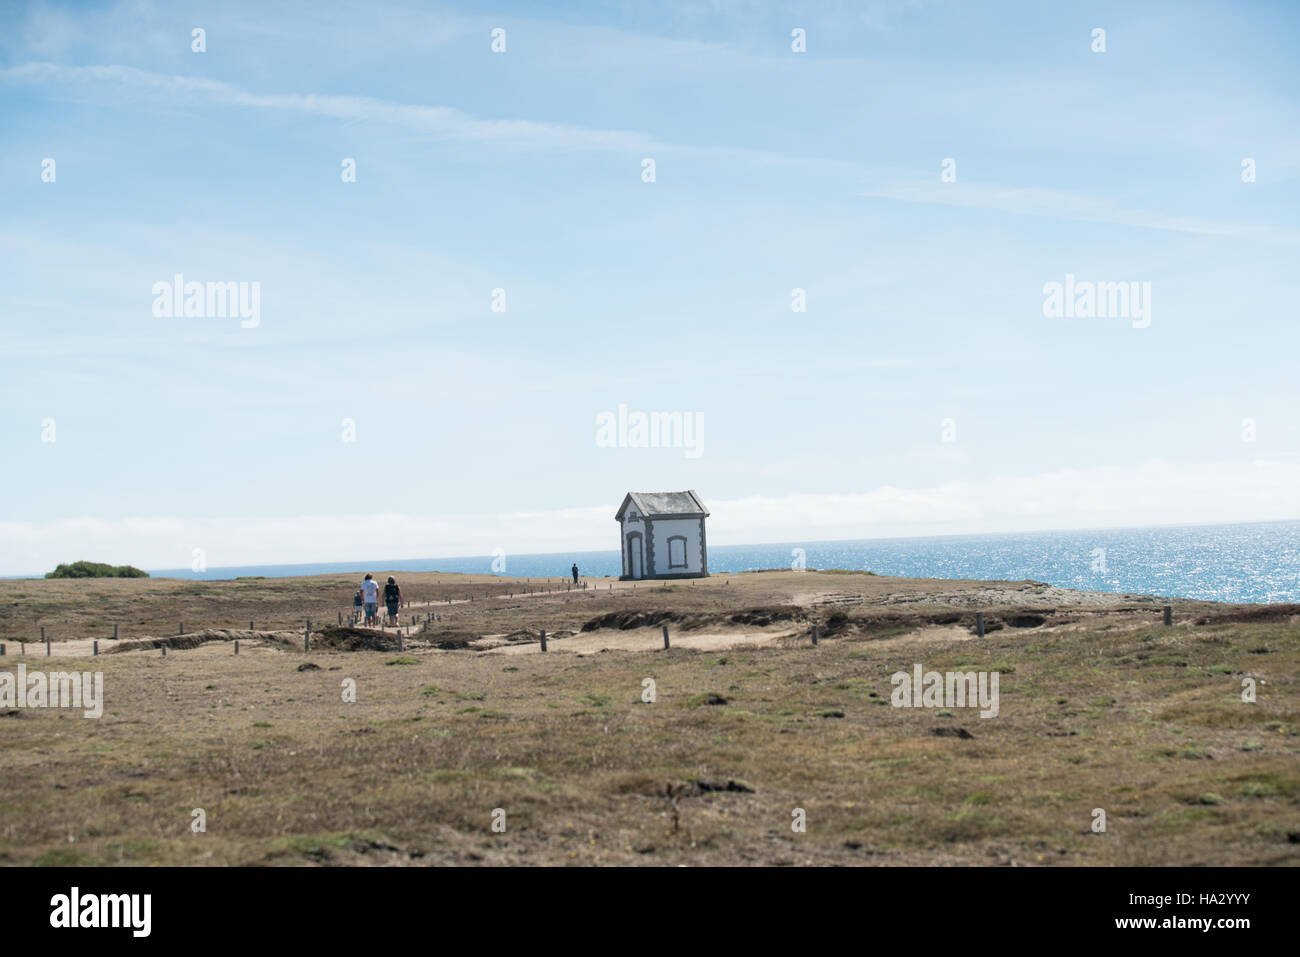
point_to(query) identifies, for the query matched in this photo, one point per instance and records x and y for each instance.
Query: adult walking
(393, 599)
(370, 597)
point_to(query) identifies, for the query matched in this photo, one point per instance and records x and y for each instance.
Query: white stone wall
(664, 529)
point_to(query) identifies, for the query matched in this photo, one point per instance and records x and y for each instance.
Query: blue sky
(522, 171)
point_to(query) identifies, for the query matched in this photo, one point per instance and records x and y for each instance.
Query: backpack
(390, 593)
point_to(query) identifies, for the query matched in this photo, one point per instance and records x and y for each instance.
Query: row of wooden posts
(1168, 611)
(251, 625)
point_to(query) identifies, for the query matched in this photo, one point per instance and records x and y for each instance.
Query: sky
(838, 274)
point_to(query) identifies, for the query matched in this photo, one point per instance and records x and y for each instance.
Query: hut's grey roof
(664, 505)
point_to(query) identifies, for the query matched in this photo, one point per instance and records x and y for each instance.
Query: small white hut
(661, 535)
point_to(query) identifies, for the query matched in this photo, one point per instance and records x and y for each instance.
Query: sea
(1256, 562)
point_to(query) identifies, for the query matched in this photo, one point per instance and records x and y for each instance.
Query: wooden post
(2, 649)
(42, 632)
(164, 651)
(665, 637)
(400, 646)
(250, 626)
(182, 631)
(543, 639)
(306, 637)
(1169, 615)
(115, 632)
(340, 618)
(236, 646)
(814, 635)
(979, 624)
(47, 648)
(22, 649)
(95, 648)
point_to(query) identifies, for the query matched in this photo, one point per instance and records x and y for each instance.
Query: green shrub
(95, 570)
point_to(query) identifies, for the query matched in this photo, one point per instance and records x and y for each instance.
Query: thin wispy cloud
(1062, 204)
(437, 121)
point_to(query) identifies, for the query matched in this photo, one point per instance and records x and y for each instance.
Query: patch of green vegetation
(1209, 797)
(969, 824)
(430, 691)
(261, 724)
(708, 697)
(319, 846)
(401, 661)
(60, 857)
(1255, 789)
(1184, 816)
(470, 695)
(132, 848)
(95, 570)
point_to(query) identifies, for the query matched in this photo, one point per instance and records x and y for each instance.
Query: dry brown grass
(1108, 711)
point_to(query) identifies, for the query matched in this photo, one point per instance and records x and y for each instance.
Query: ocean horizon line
(732, 558)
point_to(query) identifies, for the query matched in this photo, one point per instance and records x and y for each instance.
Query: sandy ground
(647, 639)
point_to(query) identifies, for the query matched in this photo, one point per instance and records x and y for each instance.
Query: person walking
(370, 596)
(575, 573)
(393, 599)
(357, 602)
